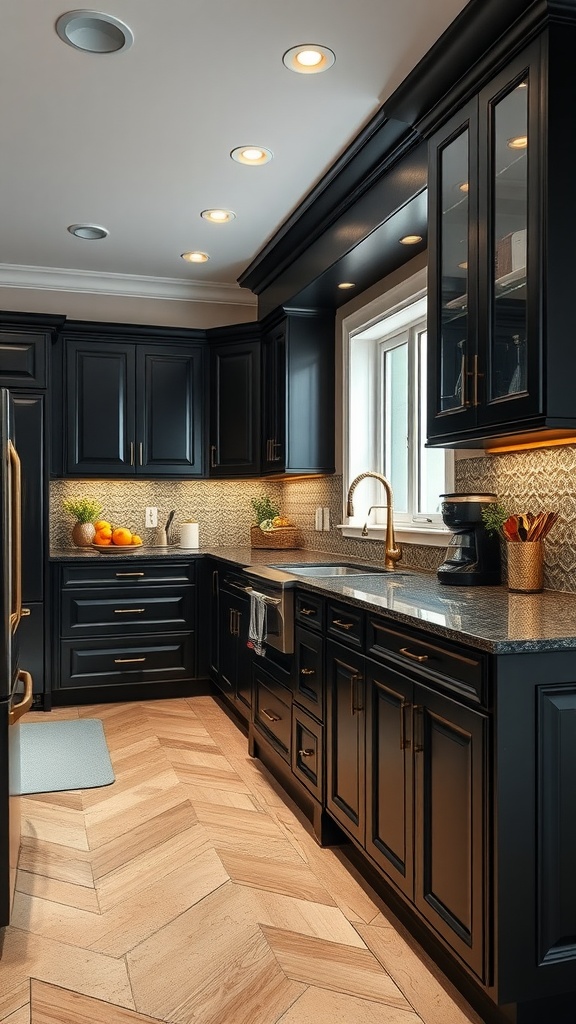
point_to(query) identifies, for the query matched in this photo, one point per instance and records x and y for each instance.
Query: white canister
(189, 535)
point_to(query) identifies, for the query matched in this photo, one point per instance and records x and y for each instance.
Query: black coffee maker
(473, 556)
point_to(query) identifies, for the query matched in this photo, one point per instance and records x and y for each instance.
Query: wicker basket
(279, 537)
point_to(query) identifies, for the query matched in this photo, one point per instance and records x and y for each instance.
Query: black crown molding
(43, 321)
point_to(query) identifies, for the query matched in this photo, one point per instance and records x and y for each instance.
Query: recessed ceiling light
(410, 239)
(346, 284)
(94, 32)
(90, 232)
(463, 265)
(254, 156)
(308, 59)
(218, 216)
(519, 142)
(195, 257)
(464, 187)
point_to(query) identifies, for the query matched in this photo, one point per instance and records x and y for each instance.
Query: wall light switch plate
(325, 518)
(151, 519)
(318, 519)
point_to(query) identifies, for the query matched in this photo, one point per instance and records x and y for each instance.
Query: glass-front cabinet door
(508, 319)
(452, 296)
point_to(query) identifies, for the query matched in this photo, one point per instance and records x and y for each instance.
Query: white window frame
(406, 304)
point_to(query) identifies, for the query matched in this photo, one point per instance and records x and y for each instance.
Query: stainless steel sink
(329, 569)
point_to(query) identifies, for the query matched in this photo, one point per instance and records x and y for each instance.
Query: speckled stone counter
(490, 618)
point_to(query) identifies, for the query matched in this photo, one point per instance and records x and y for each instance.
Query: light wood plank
(287, 879)
(21, 1016)
(81, 896)
(158, 829)
(55, 861)
(320, 1006)
(52, 1004)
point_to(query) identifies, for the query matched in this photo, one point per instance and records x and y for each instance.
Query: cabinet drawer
(114, 611)
(272, 711)
(345, 623)
(116, 662)
(129, 572)
(22, 360)
(309, 671)
(307, 752)
(309, 610)
(457, 669)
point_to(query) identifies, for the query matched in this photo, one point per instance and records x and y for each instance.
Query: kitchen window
(384, 347)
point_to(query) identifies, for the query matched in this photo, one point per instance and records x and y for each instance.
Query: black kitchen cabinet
(235, 407)
(426, 807)
(234, 657)
(132, 408)
(298, 423)
(500, 312)
(345, 738)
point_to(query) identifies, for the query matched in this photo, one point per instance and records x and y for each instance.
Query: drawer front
(22, 360)
(272, 714)
(117, 662)
(309, 671)
(129, 572)
(117, 611)
(309, 610)
(455, 668)
(345, 623)
(307, 752)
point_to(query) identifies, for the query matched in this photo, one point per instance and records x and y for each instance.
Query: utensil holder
(525, 566)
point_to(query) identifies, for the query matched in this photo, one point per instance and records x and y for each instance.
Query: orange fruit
(136, 539)
(102, 524)
(100, 539)
(105, 531)
(122, 536)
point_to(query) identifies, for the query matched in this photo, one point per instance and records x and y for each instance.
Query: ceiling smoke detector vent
(94, 32)
(90, 232)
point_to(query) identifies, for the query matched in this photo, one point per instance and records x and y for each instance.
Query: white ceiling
(139, 141)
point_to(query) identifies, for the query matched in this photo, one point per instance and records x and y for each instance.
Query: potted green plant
(85, 512)
(265, 509)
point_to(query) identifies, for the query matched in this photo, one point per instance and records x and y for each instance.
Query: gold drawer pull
(415, 657)
(271, 718)
(306, 753)
(342, 625)
(127, 661)
(308, 611)
(128, 611)
(24, 612)
(307, 671)
(129, 574)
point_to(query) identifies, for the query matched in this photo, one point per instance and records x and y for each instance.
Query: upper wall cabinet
(501, 219)
(132, 408)
(298, 394)
(235, 406)
(25, 340)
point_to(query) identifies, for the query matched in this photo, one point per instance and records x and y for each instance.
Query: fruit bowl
(116, 549)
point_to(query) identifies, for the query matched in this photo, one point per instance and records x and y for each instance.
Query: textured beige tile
(334, 966)
(319, 1006)
(425, 987)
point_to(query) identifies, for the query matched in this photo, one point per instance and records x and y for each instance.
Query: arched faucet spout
(392, 551)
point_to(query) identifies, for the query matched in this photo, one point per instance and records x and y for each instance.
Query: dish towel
(257, 628)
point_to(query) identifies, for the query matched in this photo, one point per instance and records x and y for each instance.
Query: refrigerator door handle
(25, 704)
(16, 480)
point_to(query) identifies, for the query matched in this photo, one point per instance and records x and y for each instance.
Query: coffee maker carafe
(473, 555)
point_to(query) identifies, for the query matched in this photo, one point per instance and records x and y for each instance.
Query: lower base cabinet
(232, 672)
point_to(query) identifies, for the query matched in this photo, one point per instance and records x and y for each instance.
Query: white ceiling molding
(90, 282)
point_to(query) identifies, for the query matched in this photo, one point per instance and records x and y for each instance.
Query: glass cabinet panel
(454, 230)
(508, 356)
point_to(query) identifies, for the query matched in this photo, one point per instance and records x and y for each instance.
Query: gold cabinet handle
(476, 376)
(342, 625)
(26, 703)
(24, 612)
(16, 479)
(129, 611)
(308, 611)
(129, 574)
(271, 717)
(307, 671)
(127, 661)
(308, 752)
(414, 657)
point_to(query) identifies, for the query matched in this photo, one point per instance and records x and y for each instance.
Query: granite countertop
(490, 618)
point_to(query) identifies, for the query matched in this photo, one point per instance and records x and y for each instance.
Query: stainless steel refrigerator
(15, 683)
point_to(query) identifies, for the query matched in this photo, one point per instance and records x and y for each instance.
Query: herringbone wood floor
(189, 891)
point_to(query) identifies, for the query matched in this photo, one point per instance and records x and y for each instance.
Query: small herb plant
(84, 510)
(265, 508)
(493, 516)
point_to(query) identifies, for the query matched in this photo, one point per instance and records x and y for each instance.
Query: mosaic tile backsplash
(542, 479)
